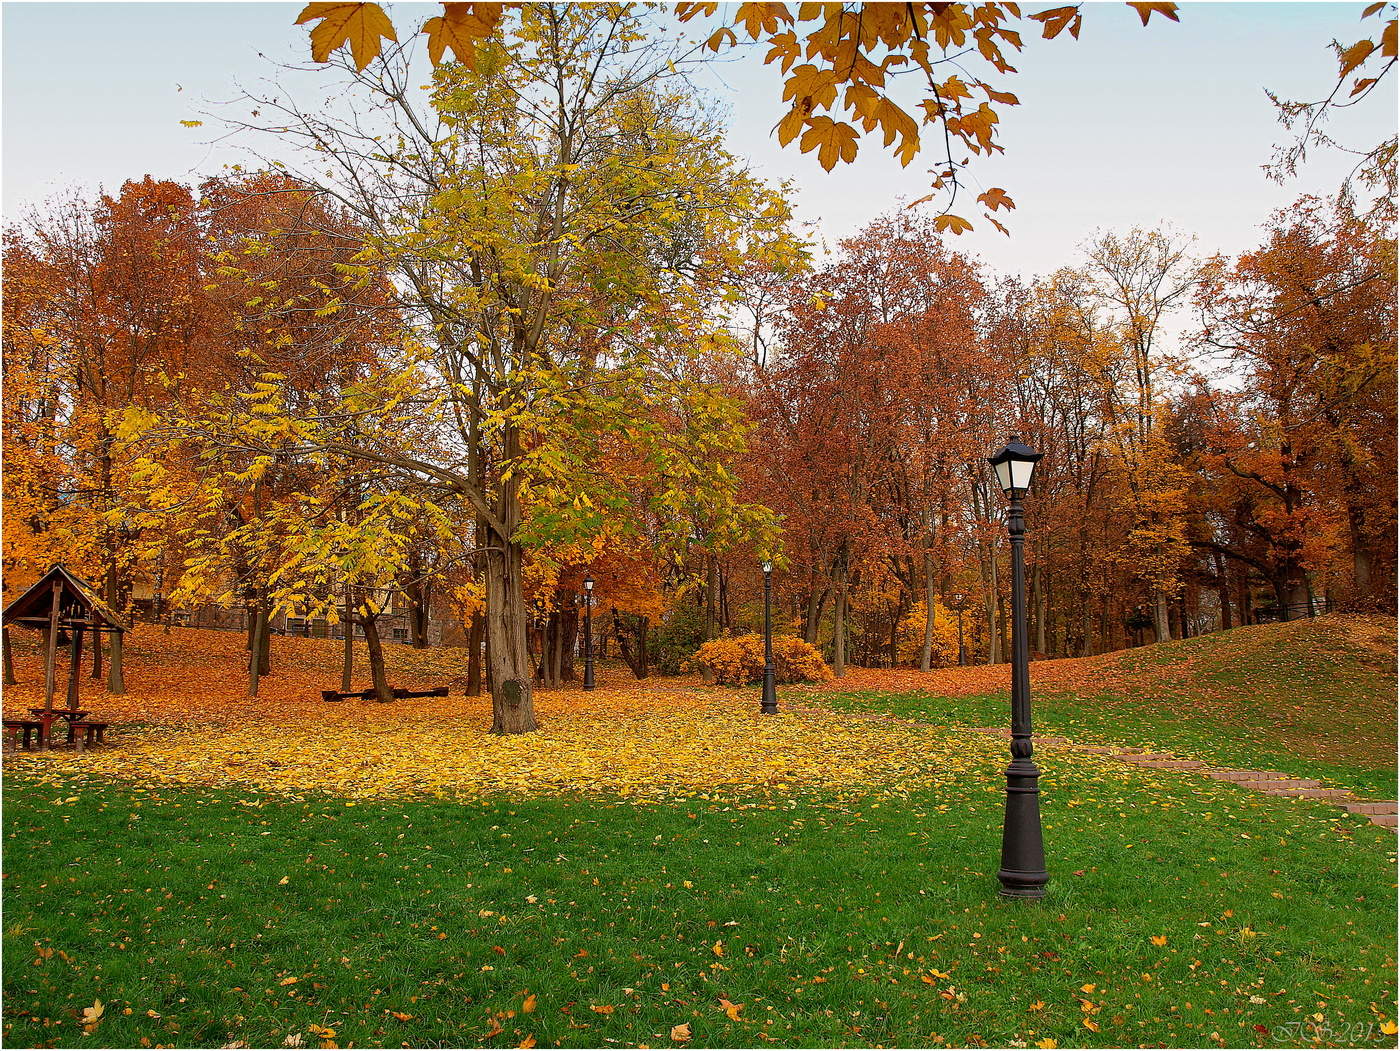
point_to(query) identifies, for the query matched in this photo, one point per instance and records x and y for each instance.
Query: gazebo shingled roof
(79, 604)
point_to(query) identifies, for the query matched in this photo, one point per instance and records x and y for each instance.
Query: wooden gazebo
(60, 602)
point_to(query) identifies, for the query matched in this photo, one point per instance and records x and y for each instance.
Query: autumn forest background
(542, 336)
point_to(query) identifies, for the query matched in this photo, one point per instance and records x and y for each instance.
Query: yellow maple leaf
(1388, 1028)
(731, 1009)
(1148, 8)
(529, 1004)
(717, 948)
(1159, 939)
(834, 141)
(361, 25)
(680, 1033)
(949, 222)
(1048, 1042)
(459, 27)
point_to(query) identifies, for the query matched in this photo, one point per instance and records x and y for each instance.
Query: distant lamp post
(960, 604)
(1022, 872)
(588, 683)
(770, 689)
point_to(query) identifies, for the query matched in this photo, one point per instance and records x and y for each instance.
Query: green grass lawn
(1180, 913)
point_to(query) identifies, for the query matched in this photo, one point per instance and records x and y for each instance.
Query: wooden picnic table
(48, 716)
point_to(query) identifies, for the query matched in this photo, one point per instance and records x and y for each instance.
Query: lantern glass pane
(767, 567)
(1021, 473)
(1003, 472)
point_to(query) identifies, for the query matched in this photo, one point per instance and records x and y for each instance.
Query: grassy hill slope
(1311, 696)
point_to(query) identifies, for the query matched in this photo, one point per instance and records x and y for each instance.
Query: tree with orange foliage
(1308, 320)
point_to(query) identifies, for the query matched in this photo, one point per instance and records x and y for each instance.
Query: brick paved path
(1270, 782)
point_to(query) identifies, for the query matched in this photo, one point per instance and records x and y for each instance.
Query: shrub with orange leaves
(738, 660)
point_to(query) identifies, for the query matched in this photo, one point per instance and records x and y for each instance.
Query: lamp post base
(770, 694)
(1022, 873)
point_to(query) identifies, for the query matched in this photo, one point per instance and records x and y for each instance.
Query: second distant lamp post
(959, 604)
(770, 689)
(1022, 873)
(588, 683)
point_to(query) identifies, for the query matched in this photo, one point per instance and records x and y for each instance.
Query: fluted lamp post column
(770, 689)
(1022, 872)
(960, 604)
(588, 683)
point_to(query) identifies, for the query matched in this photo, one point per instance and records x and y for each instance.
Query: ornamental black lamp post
(1022, 872)
(770, 690)
(959, 604)
(588, 632)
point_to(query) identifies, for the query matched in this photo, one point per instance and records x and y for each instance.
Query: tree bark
(379, 681)
(512, 697)
(254, 649)
(816, 604)
(838, 638)
(930, 601)
(116, 679)
(633, 644)
(474, 641)
(347, 659)
(1161, 616)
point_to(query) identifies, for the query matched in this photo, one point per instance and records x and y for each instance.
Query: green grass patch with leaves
(1180, 913)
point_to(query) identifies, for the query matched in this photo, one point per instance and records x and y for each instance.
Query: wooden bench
(92, 733)
(26, 728)
(403, 695)
(336, 695)
(367, 695)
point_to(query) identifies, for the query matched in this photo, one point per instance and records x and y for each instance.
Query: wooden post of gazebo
(51, 652)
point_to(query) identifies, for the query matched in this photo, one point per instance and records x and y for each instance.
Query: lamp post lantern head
(588, 583)
(767, 565)
(1014, 465)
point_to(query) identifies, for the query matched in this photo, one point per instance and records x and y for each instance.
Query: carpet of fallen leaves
(186, 721)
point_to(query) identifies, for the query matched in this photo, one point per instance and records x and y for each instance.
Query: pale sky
(1128, 126)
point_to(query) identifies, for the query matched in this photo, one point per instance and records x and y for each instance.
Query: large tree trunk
(556, 663)
(475, 637)
(1222, 587)
(633, 644)
(816, 604)
(116, 679)
(265, 641)
(1161, 616)
(347, 658)
(992, 598)
(930, 602)
(512, 697)
(1039, 606)
(379, 681)
(254, 648)
(838, 638)
(416, 591)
